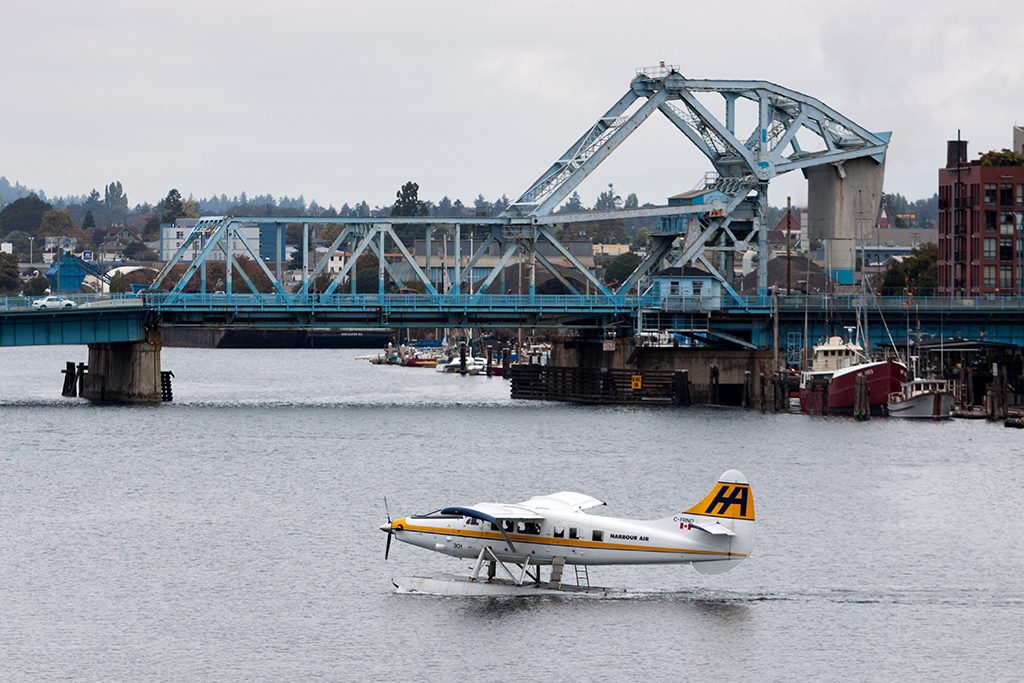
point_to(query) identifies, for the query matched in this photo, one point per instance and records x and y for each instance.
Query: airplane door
(575, 549)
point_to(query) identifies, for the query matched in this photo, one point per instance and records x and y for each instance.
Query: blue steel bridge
(761, 130)
(746, 322)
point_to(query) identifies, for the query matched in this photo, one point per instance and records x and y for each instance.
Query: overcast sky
(344, 102)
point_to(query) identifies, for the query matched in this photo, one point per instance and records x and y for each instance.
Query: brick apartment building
(981, 244)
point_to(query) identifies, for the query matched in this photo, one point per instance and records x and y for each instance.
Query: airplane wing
(566, 501)
(489, 512)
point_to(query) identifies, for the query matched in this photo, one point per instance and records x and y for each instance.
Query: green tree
(174, 207)
(118, 285)
(116, 203)
(133, 249)
(621, 268)
(918, 274)
(322, 282)
(88, 223)
(114, 196)
(367, 276)
(643, 237)
(10, 274)
(24, 214)
(151, 231)
(608, 200)
(36, 286)
(59, 222)
(1006, 157)
(408, 204)
(572, 205)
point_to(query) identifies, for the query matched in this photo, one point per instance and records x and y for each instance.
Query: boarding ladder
(581, 571)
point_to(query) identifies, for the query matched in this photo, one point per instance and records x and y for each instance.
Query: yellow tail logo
(732, 501)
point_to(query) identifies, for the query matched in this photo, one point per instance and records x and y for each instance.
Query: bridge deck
(124, 318)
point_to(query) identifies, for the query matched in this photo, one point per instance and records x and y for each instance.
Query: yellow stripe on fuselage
(562, 542)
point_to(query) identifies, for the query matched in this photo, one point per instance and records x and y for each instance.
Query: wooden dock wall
(599, 385)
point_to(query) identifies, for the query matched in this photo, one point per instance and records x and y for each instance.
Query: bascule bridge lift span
(793, 132)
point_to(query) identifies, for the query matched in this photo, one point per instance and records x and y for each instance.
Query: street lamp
(31, 251)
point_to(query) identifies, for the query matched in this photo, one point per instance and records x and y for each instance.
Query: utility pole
(789, 218)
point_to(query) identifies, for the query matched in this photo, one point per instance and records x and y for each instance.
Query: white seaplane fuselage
(714, 535)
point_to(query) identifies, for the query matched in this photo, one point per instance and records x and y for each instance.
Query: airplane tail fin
(727, 511)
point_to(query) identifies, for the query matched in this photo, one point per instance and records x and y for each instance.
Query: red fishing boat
(828, 388)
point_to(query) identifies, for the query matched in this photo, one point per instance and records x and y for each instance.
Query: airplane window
(532, 528)
(473, 521)
(598, 535)
(574, 532)
(494, 527)
(521, 527)
(558, 532)
(508, 525)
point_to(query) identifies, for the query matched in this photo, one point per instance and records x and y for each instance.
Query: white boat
(922, 398)
(474, 366)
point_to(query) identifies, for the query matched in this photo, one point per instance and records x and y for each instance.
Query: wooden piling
(70, 385)
(82, 368)
(861, 402)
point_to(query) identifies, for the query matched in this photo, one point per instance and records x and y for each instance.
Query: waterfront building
(172, 236)
(981, 245)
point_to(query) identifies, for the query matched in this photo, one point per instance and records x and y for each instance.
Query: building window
(990, 277)
(1005, 248)
(1006, 278)
(1006, 194)
(181, 234)
(990, 194)
(697, 286)
(990, 249)
(1020, 194)
(990, 221)
(1008, 223)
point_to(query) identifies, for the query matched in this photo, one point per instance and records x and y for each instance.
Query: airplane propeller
(387, 529)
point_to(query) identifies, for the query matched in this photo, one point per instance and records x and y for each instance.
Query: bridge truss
(790, 131)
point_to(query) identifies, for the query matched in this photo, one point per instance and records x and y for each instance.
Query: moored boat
(474, 366)
(829, 387)
(922, 398)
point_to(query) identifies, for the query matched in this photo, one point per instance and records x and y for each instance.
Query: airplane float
(714, 536)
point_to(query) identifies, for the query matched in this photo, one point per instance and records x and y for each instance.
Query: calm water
(232, 535)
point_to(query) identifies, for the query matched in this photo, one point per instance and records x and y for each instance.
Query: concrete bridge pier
(124, 372)
(842, 207)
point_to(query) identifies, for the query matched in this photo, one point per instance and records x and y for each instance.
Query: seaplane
(553, 530)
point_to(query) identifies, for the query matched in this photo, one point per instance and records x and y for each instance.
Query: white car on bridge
(53, 302)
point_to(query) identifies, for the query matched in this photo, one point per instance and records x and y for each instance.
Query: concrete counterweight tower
(842, 205)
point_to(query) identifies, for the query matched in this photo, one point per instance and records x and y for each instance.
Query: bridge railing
(834, 301)
(595, 302)
(404, 301)
(24, 303)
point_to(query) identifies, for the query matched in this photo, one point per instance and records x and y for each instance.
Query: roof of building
(684, 271)
(802, 272)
